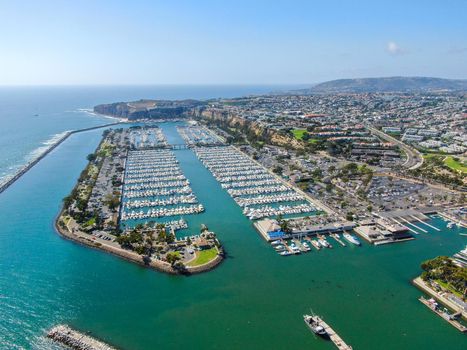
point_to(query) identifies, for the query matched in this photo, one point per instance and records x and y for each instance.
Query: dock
(425, 223)
(335, 338)
(313, 243)
(337, 238)
(444, 315)
(64, 335)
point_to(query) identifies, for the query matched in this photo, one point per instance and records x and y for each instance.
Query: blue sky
(229, 42)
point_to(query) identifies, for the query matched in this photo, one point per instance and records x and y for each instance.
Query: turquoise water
(254, 300)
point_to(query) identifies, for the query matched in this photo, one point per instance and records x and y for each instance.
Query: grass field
(203, 256)
(449, 287)
(449, 161)
(298, 133)
(455, 165)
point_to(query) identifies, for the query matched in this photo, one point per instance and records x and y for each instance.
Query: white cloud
(393, 49)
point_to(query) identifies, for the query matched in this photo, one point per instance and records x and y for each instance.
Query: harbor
(155, 179)
(258, 192)
(196, 135)
(236, 280)
(143, 226)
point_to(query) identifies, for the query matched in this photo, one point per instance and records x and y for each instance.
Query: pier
(451, 319)
(64, 335)
(427, 224)
(337, 238)
(333, 336)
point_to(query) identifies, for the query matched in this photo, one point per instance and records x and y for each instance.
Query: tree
(170, 238)
(67, 201)
(91, 157)
(172, 257)
(162, 236)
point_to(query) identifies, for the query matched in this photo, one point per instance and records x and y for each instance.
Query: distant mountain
(390, 84)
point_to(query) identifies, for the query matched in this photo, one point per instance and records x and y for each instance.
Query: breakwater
(24, 169)
(64, 335)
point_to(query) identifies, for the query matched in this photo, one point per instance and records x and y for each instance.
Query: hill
(389, 84)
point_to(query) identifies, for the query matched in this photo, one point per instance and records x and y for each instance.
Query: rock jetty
(64, 335)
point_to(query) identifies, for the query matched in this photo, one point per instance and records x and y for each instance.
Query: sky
(228, 42)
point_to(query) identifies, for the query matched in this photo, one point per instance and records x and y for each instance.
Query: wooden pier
(64, 335)
(337, 238)
(335, 338)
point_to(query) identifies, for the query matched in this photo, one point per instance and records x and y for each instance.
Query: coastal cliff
(274, 137)
(148, 109)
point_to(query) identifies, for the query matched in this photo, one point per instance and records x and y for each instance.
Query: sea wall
(29, 165)
(64, 335)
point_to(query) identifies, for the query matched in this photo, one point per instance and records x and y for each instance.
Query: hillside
(390, 84)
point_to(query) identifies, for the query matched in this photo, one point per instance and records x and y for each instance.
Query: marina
(154, 291)
(146, 137)
(196, 135)
(154, 184)
(257, 191)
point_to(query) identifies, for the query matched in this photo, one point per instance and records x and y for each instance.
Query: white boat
(351, 239)
(323, 243)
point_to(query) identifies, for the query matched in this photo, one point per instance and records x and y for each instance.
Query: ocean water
(254, 300)
(33, 117)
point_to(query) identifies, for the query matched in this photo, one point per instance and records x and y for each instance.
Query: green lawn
(90, 222)
(455, 165)
(449, 287)
(203, 256)
(298, 133)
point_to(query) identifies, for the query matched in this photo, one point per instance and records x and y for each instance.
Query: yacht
(314, 323)
(351, 239)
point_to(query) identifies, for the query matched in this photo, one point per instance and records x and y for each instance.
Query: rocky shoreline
(67, 336)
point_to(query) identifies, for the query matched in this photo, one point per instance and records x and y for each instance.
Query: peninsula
(132, 169)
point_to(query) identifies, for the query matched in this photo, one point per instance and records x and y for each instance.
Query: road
(414, 158)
